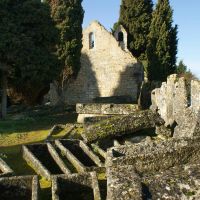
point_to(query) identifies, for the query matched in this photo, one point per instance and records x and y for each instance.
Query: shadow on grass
(35, 119)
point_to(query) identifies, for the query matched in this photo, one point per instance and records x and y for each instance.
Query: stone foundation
(71, 187)
(19, 187)
(45, 160)
(79, 154)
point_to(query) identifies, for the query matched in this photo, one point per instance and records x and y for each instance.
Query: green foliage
(68, 17)
(183, 71)
(135, 16)
(27, 38)
(162, 43)
(181, 68)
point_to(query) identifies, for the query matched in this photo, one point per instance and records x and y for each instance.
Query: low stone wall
(76, 186)
(79, 154)
(106, 109)
(32, 155)
(5, 170)
(155, 156)
(19, 187)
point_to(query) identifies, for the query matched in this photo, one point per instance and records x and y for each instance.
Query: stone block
(121, 125)
(171, 100)
(106, 109)
(190, 124)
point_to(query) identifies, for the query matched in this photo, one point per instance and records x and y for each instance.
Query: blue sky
(186, 15)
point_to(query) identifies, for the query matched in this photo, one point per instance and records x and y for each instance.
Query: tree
(183, 71)
(181, 68)
(27, 38)
(68, 17)
(162, 43)
(135, 16)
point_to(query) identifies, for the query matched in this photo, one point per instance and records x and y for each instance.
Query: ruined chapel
(108, 69)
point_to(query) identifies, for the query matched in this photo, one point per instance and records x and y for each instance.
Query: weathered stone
(163, 131)
(170, 100)
(76, 186)
(106, 70)
(195, 95)
(121, 125)
(137, 139)
(114, 99)
(182, 182)
(79, 154)
(19, 187)
(44, 159)
(54, 94)
(155, 155)
(5, 170)
(190, 124)
(123, 183)
(106, 109)
(91, 118)
(88, 119)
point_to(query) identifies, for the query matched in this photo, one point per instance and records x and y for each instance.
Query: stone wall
(178, 104)
(106, 70)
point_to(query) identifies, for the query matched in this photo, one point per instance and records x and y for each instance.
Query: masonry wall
(106, 70)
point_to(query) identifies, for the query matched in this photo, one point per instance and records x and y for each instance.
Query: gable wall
(106, 70)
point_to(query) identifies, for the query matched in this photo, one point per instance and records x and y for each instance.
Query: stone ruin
(19, 187)
(145, 154)
(104, 59)
(178, 104)
(77, 186)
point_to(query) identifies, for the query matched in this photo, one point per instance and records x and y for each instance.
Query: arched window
(91, 40)
(120, 37)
